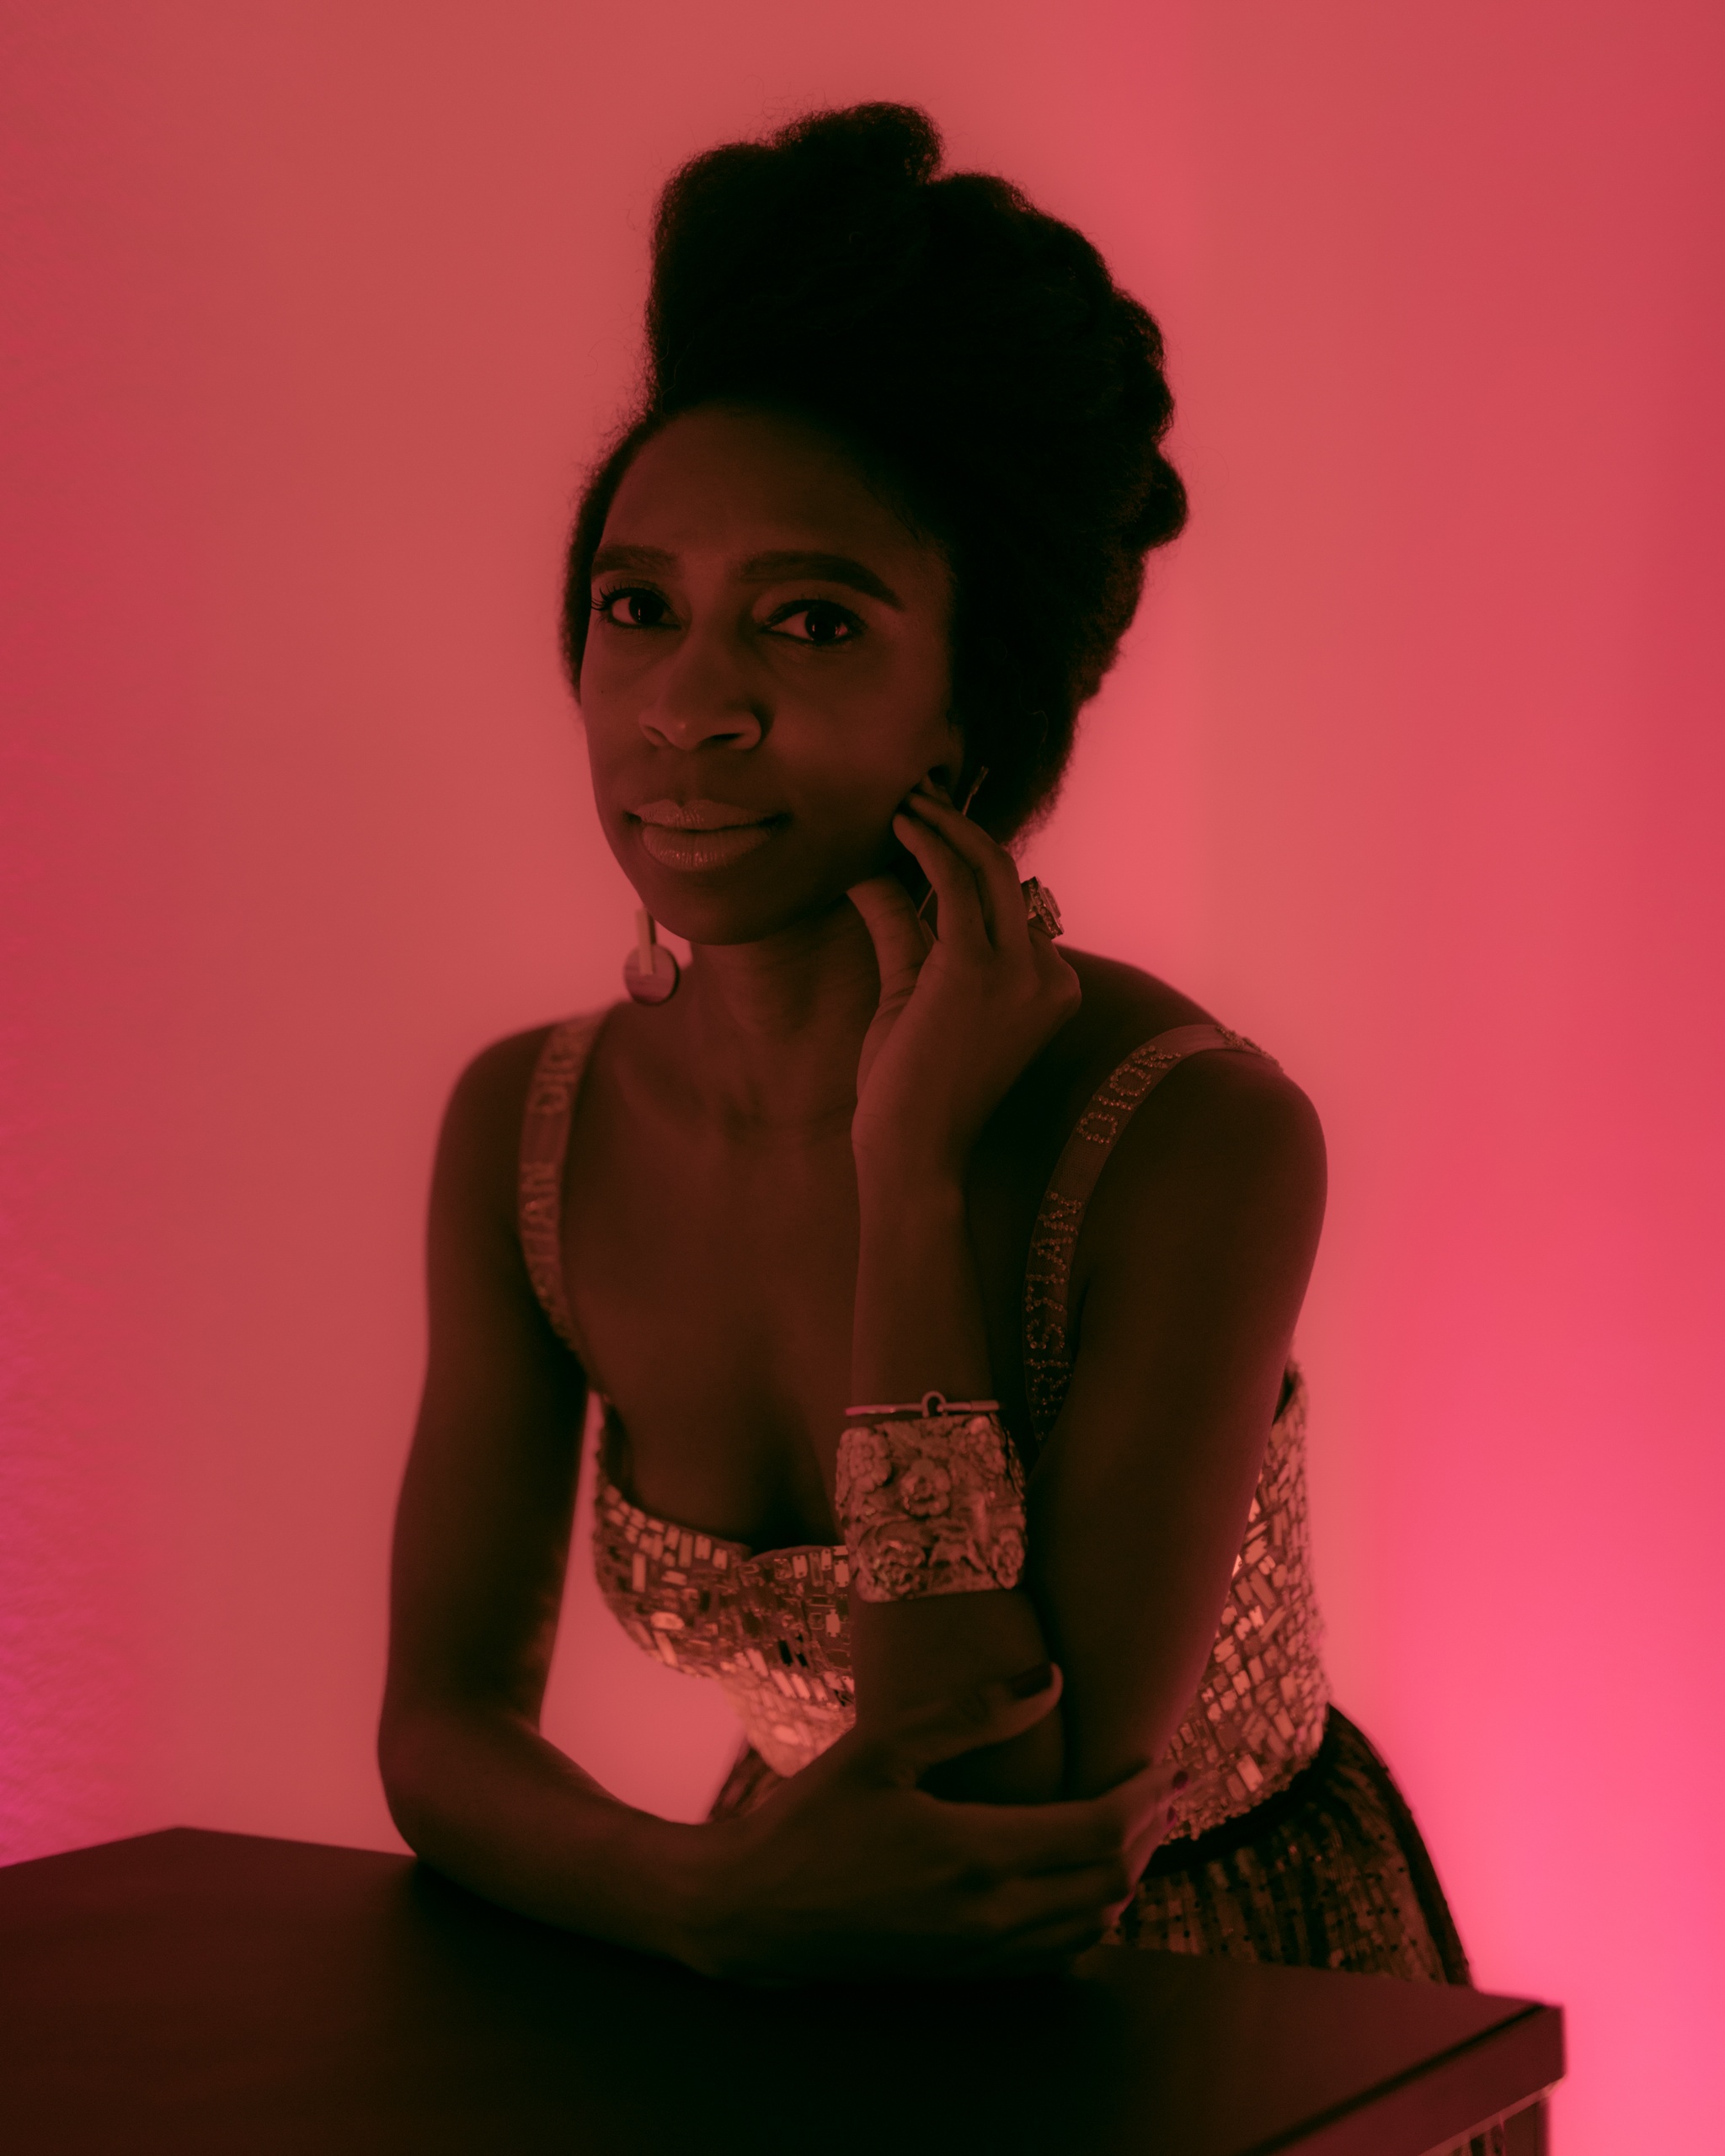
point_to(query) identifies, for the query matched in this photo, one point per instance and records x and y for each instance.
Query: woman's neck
(773, 1029)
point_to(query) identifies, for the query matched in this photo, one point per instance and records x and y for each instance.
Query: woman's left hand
(960, 1016)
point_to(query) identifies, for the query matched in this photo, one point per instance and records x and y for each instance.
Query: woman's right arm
(849, 1868)
(481, 1540)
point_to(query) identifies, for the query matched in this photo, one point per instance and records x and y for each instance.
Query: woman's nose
(703, 703)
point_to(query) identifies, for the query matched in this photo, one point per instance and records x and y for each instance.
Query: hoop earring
(650, 972)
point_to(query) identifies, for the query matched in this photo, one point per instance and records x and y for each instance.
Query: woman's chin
(717, 921)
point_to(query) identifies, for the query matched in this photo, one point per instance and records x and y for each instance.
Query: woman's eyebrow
(830, 568)
(632, 558)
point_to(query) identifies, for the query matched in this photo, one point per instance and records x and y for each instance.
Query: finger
(1053, 1950)
(947, 1729)
(1088, 1896)
(1148, 1837)
(900, 943)
(936, 813)
(1074, 1831)
(995, 870)
(1154, 1821)
(961, 921)
(1046, 1949)
(1144, 1805)
(1142, 1846)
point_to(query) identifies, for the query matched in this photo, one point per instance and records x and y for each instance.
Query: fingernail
(1029, 1681)
(1180, 1779)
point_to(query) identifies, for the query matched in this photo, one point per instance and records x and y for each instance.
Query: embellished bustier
(773, 1626)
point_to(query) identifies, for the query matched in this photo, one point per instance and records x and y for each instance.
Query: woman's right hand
(850, 1869)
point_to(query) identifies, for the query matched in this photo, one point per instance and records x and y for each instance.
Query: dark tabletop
(194, 1992)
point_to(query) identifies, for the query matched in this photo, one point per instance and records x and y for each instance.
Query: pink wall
(1413, 771)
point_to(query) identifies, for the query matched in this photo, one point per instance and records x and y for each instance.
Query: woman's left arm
(1193, 1260)
(1195, 1256)
(918, 1326)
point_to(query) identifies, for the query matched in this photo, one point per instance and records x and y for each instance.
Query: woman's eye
(815, 621)
(632, 606)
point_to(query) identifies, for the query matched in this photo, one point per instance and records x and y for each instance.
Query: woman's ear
(956, 786)
(947, 775)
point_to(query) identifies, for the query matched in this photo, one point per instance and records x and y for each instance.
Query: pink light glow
(1411, 771)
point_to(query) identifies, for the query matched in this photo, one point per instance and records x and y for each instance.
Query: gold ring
(1040, 906)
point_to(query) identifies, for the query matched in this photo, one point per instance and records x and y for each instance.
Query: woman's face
(766, 675)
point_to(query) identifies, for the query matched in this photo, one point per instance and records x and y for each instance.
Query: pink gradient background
(1412, 771)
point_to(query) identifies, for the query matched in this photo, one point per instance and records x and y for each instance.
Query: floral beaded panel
(773, 1627)
(931, 1503)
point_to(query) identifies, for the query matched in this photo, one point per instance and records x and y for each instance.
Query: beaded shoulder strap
(545, 1143)
(1048, 1273)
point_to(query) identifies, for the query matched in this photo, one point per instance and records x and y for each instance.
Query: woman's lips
(673, 848)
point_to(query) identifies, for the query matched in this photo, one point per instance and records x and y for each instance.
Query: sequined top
(773, 1626)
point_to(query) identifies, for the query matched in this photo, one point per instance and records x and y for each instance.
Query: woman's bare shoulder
(1226, 1115)
(1231, 1136)
(493, 1085)
(479, 1147)
(1123, 1006)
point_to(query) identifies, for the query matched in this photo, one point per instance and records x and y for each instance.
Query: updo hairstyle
(978, 360)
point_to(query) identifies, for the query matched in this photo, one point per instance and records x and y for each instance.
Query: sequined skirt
(1330, 1873)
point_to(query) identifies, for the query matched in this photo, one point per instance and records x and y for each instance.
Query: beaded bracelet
(931, 1499)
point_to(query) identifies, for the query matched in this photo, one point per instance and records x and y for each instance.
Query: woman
(938, 1284)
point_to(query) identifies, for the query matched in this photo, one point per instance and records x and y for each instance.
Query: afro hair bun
(805, 234)
(974, 353)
